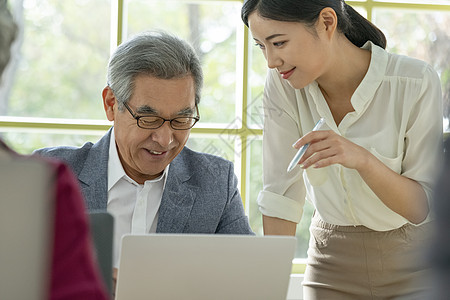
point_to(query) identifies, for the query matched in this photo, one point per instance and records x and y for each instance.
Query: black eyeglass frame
(137, 118)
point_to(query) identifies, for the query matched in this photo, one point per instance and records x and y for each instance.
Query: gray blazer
(200, 195)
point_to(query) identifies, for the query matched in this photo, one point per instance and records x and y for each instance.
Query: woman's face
(296, 51)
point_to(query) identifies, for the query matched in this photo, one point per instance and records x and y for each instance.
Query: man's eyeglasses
(154, 122)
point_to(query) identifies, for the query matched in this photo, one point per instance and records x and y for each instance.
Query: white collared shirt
(134, 206)
(397, 117)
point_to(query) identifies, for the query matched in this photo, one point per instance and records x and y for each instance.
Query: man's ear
(109, 101)
(327, 21)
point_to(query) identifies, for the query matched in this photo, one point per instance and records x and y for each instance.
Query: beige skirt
(355, 262)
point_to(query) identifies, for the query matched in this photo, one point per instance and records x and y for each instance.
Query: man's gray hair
(8, 31)
(154, 53)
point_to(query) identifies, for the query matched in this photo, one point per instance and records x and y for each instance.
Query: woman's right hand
(328, 148)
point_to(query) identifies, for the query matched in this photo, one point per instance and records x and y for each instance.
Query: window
(51, 94)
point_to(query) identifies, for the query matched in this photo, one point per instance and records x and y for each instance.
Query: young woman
(370, 170)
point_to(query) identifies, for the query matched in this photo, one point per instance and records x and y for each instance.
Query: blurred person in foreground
(140, 171)
(440, 249)
(74, 272)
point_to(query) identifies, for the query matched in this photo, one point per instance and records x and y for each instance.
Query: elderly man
(140, 170)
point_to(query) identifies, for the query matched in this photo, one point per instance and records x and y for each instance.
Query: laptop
(204, 267)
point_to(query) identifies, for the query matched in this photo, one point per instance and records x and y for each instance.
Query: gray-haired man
(140, 170)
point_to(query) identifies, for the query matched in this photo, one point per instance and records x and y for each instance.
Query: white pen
(303, 149)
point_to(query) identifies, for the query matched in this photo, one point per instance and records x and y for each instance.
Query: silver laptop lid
(200, 267)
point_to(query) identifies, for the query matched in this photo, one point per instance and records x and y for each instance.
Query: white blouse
(397, 117)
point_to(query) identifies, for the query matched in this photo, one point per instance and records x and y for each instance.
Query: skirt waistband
(317, 221)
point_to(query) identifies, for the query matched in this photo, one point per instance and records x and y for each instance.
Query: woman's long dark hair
(356, 28)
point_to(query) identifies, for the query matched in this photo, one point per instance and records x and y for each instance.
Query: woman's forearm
(401, 194)
(276, 226)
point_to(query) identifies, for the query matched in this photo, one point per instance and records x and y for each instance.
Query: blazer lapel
(177, 200)
(94, 175)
